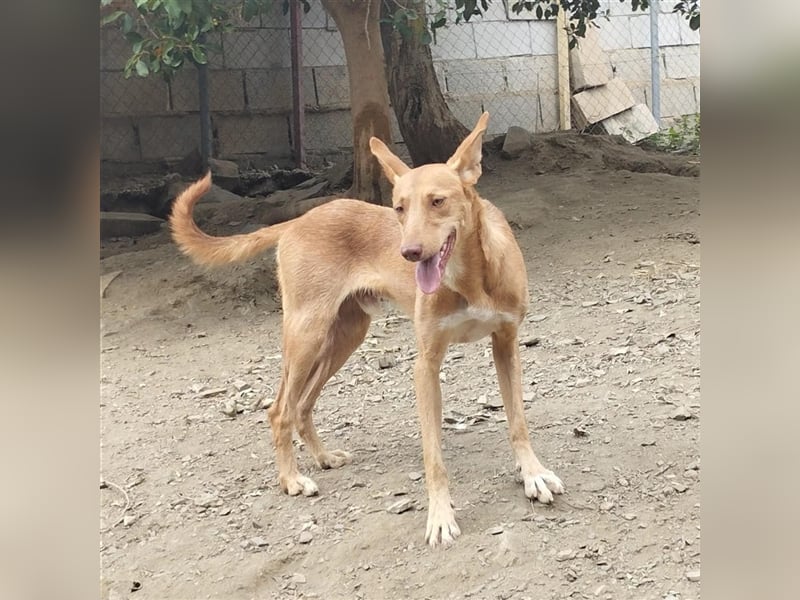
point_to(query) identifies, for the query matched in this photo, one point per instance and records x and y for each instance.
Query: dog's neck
(476, 282)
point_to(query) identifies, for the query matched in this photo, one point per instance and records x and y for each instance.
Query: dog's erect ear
(466, 160)
(392, 166)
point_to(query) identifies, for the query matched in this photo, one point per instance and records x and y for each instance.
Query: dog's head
(432, 203)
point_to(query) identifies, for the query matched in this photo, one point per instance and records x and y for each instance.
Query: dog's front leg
(540, 483)
(442, 527)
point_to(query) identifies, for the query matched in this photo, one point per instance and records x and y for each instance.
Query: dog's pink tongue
(428, 275)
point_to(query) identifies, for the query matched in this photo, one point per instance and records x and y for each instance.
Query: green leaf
(199, 55)
(427, 38)
(141, 68)
(694, 22)
(127, 24)
(185, 6)
(112, 17)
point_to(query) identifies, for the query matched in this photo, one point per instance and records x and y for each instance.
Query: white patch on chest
(472, 323)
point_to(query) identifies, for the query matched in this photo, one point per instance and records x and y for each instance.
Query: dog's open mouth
(430, 271)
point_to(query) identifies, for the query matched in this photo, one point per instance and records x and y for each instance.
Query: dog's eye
(398, 209)
(437, 202)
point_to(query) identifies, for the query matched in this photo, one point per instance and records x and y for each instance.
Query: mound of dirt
(560, 151)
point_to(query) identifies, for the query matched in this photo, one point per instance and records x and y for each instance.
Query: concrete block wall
(502, 63)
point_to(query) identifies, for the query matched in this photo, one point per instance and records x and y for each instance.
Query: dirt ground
(190, 503)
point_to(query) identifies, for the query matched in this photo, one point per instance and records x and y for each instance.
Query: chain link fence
(635, 73)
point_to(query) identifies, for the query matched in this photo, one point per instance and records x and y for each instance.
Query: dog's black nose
(412, 252)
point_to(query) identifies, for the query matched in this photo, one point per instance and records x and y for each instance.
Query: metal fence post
(205, 111)
(655, 64)
(298, 104)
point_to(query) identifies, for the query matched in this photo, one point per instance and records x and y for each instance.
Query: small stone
(649, 442)
(537, 318)
(531, 341)
(682, 413)
(600, 589)
(679, 487)
(590, 303)
(528, 396)
(212, 392)
(224, 511)
(128, 520)
(241, 385)
(207, 500)
(496, 530)
(415, 475)
(606, 506)
(305, 537)
(693, 575)
(400, 506)
(298, 578)
(623, 482)
(629, 516)
(257, 541)
(386, 361)
(230, 407)
(565, 555)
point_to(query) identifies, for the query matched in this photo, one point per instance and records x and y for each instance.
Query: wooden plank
(562, 49)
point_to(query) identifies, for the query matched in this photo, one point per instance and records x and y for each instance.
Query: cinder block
(468, 110)
(589, 64)
(543, 37)
(133, 96)
(225, 90)
(454, 42)
(118, 140)
(169, 137)
(316, 18)
(323, 48)
(332, 87)
(669, 29)
(216, 58)
(688, 35)
(474, 77)
(633, 124)
(678, 98)
(257, 49)
(615, 33)
(641, 93)
(507, 110)
(630, 64)
(274, 18)
(499, 40)
(522, 73)
(640, 31)
(596, 104)
(330, 130)
(252, 134)
(114, 49)
(548, 111)
(681, 62)
(269, 89)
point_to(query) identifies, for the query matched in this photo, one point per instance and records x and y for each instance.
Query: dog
(442, 254)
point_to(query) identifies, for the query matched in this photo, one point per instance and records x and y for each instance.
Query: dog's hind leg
(539, 482)
(345, 335)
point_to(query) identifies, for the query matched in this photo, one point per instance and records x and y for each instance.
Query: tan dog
(452, 262)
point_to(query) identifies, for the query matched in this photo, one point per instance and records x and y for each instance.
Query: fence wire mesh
(502, 62)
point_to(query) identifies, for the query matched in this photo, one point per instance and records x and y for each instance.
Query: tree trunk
(357, 21)
(430, 131)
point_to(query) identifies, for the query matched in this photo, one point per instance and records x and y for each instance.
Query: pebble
(230, 407)
(224, 511)
(600, 589)
(212, 392)
(496, 530)
(415, 475)
(531, 341)
(400, 506)
(629, 516)
(537, 318)
(606, 506)
(257, 541)
(241, 385)
(565, 555)
(386, 361)
(128, 520)
(679, 487)
(693, 575)
(682, 413)
(305, 537)
(589, 303)
(298, 578)
(206, 500)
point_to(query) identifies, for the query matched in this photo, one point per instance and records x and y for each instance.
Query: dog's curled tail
(207, 249)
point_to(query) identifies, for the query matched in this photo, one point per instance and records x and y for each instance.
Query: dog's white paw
(442, 528)
(300, 484)
(542, 486)
(334, 459)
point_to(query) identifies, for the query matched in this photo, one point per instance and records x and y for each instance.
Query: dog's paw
(299, 484)
(334, 459)
(542, 486)
(442, 528)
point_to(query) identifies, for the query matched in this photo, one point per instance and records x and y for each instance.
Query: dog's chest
(472, 323)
